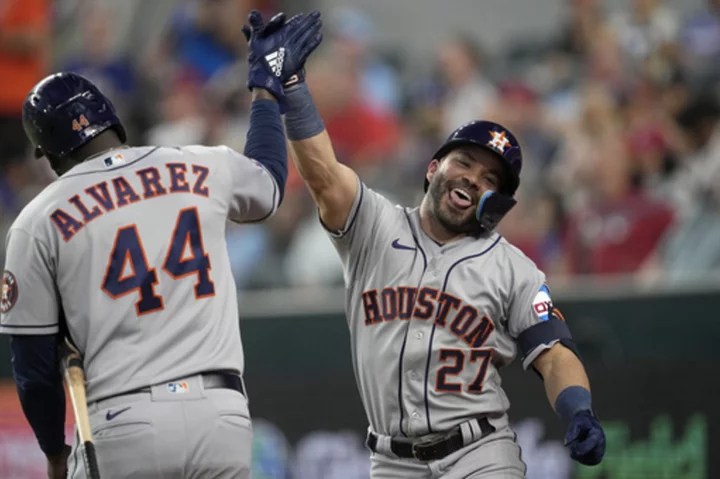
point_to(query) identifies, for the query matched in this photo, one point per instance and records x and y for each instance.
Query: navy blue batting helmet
(500, 141)
(64, 111)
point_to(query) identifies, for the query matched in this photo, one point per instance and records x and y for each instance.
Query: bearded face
(457, 184)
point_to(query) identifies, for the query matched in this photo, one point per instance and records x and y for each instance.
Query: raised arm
(332, 185)
(280, 50)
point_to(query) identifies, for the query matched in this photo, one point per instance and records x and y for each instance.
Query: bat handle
(90, 457)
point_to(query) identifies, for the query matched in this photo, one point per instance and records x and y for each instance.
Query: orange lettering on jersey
(88, 215)
(425, 307)
(100, 193)
(446, 302)
(67, 225)
(202, 173)
(150, 178)
(124, 192)
(372, 309)
(178, 182)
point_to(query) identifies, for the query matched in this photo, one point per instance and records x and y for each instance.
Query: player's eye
(464, 163)
(492, 180)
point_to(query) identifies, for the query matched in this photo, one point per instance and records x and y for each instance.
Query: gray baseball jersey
(432, 325)
(129, 247)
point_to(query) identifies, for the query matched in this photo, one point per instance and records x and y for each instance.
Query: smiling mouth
(460, 198)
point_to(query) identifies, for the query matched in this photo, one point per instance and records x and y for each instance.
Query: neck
(433, 228)
(105, 141)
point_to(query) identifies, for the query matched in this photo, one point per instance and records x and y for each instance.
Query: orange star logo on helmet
(499, 141)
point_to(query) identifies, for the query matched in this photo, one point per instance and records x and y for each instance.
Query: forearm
(315, 161)
(44, 408)
(266, 139)
(40, 389)
(565, 370)
(313, 152)
(566, 382)
(332, 185)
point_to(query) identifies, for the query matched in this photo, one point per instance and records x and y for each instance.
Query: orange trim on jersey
(445, 303)
(122, 267)
(106, 200)
(476, 386)
(467, 321)
(478, 336)
(558, 314)
(441, 383)
(202, 248)
(66, 223)
(199, 187)
(187, 246)
(371, 304)
(389, 315)
(178, 181)
(88, 216)
(429, 306)
(150, 178)
(137, 288)
(123, 189)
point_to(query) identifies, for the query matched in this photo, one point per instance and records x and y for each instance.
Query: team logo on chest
(448, 311)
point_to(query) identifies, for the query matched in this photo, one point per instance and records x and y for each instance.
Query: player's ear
(432, 169)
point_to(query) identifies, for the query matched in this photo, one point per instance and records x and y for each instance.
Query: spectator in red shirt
(363, 136)
(620, 227)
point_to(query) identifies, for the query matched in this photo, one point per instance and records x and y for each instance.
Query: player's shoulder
(381, 198)
(33, 215)
(514, 256)
(209, 151)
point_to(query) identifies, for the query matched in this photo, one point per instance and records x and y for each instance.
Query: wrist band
(302, 119)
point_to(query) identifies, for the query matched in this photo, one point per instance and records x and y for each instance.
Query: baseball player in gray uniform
(125, 254)
(438, 303)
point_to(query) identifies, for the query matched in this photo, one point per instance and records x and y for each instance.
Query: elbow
(322, 179)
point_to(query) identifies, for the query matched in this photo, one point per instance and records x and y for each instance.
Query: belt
(430, 449)
(210, 381)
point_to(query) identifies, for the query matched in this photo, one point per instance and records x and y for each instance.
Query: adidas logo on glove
(275, 60)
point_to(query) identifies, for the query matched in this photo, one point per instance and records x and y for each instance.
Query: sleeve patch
(542, 304)
(9, 292)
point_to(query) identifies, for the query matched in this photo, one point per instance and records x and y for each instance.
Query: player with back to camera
(125, 254)
(438, 303)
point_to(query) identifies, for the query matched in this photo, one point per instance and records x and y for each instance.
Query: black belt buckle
(429, 450)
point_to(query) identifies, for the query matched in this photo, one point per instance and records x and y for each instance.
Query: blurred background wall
(616, 106)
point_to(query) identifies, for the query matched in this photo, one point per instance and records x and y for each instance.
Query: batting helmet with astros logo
(64, 111)
(493, 205)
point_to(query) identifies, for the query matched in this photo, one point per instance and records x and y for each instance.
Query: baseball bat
(75, 381)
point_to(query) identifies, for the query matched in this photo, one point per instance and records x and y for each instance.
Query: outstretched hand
(279, 49)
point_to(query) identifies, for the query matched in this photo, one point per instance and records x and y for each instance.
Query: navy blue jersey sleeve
(266, 141)
(36, 368)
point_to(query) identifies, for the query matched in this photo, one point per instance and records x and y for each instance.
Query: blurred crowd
(617, 112)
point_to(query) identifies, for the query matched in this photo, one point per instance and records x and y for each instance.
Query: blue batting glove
(585, 438)
(278, 50)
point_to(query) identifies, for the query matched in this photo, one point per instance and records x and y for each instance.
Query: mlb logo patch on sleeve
(542, 304)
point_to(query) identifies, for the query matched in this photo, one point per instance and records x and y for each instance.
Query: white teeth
(463, 194)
